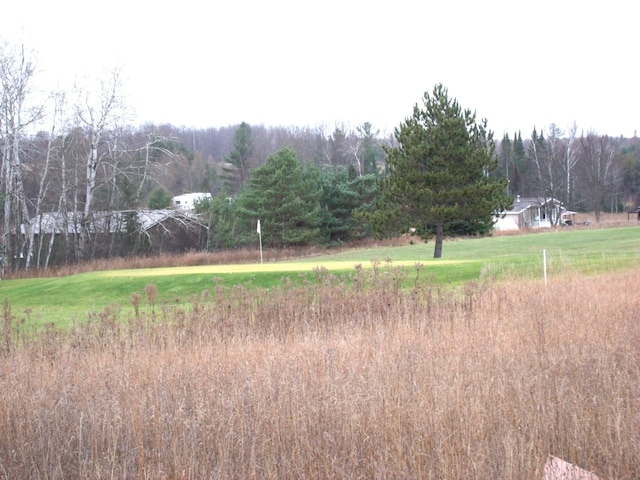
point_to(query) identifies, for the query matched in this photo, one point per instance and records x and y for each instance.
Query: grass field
(65, 300)
(468, 367)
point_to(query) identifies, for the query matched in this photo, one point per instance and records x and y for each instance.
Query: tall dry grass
(329, 381)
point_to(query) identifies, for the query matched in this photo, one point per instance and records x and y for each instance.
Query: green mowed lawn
(71, 299)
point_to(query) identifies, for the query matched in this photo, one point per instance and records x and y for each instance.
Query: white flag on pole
(260, 237)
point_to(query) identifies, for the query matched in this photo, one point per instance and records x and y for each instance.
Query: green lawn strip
(66, 300)
(572, 242)
(70, 299)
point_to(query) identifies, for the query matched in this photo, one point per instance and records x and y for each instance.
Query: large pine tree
(441, 171)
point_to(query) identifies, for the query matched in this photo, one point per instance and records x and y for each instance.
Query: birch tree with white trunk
(17, 113)
(97, 112)
(54, 151)
(354, 150)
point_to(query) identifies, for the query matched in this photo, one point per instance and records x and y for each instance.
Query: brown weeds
(335, 381)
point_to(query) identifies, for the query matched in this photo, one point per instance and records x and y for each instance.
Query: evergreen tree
(338, 148)
(239, 158)
(440, 172)
(345, 193)
(372, 149)
(630, 166)
(285, 196)
(505, 167)
(159, 198)
(368, 194)
(222, 221)
(519, 157)
(212, 181)
(337, 203)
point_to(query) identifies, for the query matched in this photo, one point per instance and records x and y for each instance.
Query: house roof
(520, 204)
(151, 218)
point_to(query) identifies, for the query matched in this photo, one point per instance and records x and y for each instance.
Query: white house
(532, 212)
(188, 201)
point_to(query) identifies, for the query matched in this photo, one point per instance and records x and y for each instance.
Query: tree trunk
(96, 115)
(92, 168)
(437, 253)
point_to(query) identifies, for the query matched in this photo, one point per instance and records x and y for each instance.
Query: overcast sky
(294, 63)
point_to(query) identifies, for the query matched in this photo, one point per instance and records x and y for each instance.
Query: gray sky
(295, 63)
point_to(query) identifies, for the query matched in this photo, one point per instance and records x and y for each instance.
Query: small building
(636, 212)
(188, 201)
(568, 217)
(533, 212)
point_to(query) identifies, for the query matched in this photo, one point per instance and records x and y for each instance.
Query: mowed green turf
(71, 299)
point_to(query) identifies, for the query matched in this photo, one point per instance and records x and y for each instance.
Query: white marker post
(260, 237)
(544, 264)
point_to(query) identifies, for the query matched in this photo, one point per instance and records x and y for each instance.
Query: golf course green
(66, 300)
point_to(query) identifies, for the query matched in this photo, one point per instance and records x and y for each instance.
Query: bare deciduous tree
(354, 147)
(571, 160)
(16, 115)
(97, 112)
(598, 168)
(553, 159)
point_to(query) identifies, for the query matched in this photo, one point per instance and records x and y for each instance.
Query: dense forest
(76, 155)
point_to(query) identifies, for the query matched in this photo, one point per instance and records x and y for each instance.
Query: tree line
(586, 172)
(76, 153)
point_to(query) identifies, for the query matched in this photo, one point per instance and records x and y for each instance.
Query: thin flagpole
(260, 237)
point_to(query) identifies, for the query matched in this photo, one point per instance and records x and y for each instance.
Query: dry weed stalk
(331, 381)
